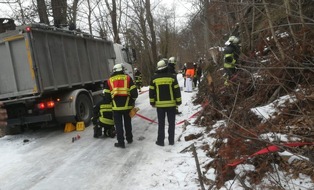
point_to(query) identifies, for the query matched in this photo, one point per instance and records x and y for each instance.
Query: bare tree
(273, 31)
(21, 11)
(113, 15)
(59, 11)
(42, 12)
(150, 22)
(73, 14)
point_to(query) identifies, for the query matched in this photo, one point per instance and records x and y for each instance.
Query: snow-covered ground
(47, 159)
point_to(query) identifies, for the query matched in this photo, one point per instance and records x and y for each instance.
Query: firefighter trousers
(170, 112)
(122, 121)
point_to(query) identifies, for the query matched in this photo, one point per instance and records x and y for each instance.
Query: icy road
(47, 159)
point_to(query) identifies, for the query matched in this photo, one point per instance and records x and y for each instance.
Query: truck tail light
(28, 29)
(46, 105)
(50, 104)
(41, 106)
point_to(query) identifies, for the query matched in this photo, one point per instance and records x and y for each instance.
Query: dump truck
(50, 75)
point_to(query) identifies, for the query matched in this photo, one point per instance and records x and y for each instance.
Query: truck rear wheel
(84, 109)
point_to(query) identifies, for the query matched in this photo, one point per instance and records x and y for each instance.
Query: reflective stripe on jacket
(229, 61)
(122, 90)
(138, 77)
(164, 90)
(106, 116)
(118, 85)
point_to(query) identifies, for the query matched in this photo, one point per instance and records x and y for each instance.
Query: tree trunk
(150, 22)
(302, 22)
(288, 15)
(42, 12)
(113, 15)
(72, 22)
(59, 11)
(282, 54)
(89, 16)
(22, 12)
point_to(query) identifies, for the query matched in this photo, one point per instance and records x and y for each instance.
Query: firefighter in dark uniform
(165, 95)
(123, 93)
(103, 118)
(172, 69)
(138, 79)
(231, 55)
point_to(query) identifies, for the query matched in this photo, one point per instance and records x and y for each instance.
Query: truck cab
(124, 55)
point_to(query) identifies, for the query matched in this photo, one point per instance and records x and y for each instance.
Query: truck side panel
(17, 77)
(65, 61)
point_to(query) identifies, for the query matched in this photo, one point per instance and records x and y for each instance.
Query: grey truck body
(41, 63)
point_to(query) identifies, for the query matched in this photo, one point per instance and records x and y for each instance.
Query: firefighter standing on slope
(171, 68)
(138, 79)
(123, 93)
(165, 95)
(103, 117)
(231, 55)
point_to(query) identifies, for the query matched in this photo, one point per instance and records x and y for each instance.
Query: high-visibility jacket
(106, 115)
(102, 111)
(190, 73)
(231, 55)
(122, 90)
(164, 90)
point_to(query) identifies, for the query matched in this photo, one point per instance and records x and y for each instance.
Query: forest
(277, 59)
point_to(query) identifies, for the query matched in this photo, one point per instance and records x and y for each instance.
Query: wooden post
(200, 177)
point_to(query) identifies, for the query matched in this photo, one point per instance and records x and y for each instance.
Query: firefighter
(123, 93)
(103, 118)
(165, 95)
(172, 69)
(231, 55)
(172, 65)
(189, 75)
(138, 79)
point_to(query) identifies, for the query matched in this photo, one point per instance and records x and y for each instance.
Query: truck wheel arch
(75, 106)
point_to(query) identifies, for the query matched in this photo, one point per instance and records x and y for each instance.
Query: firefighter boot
(97, 131)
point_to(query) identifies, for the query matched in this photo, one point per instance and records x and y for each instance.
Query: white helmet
(161, 65)
(172, 60)
(234, 40)
(118, 67)
(135, 69)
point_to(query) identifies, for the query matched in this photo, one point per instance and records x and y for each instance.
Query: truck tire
(84, 109)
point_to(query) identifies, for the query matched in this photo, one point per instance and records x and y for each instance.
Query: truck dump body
(41, 61)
